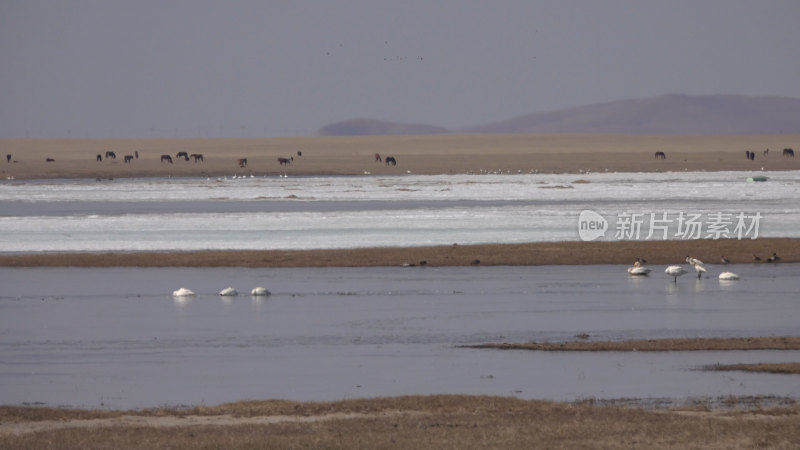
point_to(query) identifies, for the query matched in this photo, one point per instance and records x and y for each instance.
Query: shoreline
(528, 254)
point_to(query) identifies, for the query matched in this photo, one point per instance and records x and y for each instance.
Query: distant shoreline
(529, 254)
(423, 154)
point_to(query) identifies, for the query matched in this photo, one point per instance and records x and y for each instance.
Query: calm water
(117, 338)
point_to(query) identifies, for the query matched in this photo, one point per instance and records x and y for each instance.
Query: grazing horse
(128, 158)
(788, 152)
(197, 157)
(378, 157)
(166, 158)
(661, 155)
(391, 160)
(242, 162)
(8, 158)
(285, 161)
(183, 155)
(111, 155)
(99, 157)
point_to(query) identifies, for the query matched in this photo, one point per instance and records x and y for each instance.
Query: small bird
(675, 271)
(475, 262)
(756, 258)
(724, 260)
(774, 258)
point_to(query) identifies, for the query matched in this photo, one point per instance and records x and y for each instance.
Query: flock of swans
(638, 269)
(676, 271)
(227, 292)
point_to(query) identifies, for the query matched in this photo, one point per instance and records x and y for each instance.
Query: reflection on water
(86, 337)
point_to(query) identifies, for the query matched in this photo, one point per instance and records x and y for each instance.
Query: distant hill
(666, 114)
(370, 127)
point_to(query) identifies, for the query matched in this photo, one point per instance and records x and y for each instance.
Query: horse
(766, 152)
(8, 158)
(661, 155)
(391, 160)
(166, 158)
(128, 158)
(752, 156)
(99, 157)
(788, 152)
(378, 157)
(285, 161)
(136, 153)
(242, 162)
(111, 155)
(183, 155)
(197, 157)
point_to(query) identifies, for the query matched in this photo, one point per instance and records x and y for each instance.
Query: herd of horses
(787, 152)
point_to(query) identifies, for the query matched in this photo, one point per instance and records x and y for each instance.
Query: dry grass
(537, 253)
(656, 345)
(431, 422)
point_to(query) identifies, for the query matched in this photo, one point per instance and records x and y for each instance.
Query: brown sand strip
(18, 428)
(657, 345)
(430, 154)
(777, 368)
(538, 253)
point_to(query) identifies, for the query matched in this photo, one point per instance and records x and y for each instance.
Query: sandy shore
(432, 154)
(539, 253)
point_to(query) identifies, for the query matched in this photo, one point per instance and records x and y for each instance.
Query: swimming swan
(260, 291)
(183, 292)
(229, 292)
(640, 270)
(727, 276)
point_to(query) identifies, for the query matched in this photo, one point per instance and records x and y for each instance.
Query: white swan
(183, 292)
(260, 291)
(229, 292)
(640, 270)
(675, 271)
(697, 264)
(728, 276)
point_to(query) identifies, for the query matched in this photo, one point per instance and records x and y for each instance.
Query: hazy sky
(200, 68)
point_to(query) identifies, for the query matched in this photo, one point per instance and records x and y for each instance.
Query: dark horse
(285, 161)
(243, 162)
(8, 158)
(391, 160)
(111, 155)
(128, 158)
(378, 157)
(99, 157)
(183, 155)
(197, 157)
(661, 155)
(166, 158)
(788, 152)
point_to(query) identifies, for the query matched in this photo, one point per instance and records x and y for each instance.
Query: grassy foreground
(405, 422)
